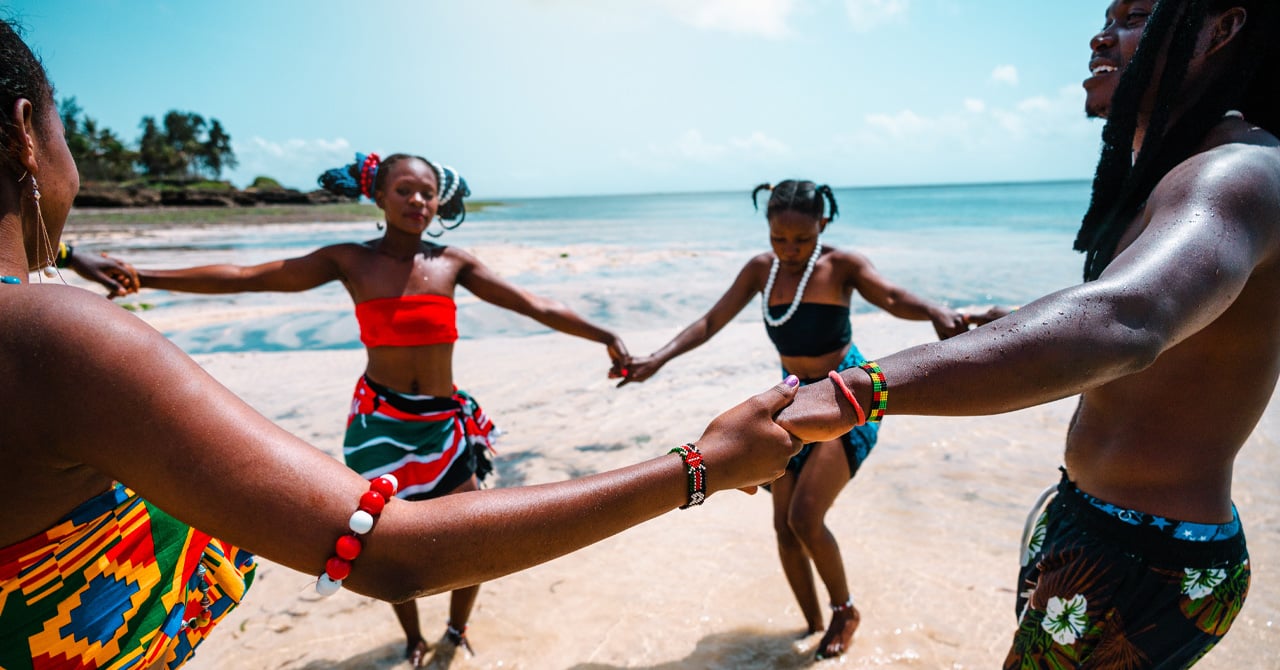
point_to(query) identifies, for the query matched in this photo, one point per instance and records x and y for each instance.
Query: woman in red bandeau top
(407, 418)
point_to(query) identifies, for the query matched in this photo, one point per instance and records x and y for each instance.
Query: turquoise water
(640, 262)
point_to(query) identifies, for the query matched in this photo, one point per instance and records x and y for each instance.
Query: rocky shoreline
(177, 194)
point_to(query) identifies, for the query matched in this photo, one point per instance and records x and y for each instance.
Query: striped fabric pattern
(418, 447)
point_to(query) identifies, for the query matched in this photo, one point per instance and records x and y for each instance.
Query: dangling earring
(379, 225)
(49, 270)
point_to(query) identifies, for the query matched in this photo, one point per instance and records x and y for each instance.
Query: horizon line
(973, 184)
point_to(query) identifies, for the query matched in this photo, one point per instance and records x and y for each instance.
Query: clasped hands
(751, 443)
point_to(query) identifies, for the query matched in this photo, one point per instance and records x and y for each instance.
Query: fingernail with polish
(792, 381)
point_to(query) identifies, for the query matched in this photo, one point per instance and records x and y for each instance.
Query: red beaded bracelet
(848, 395)
(697, 473)
(348, 547)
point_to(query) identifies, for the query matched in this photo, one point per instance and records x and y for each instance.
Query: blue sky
(572, 97)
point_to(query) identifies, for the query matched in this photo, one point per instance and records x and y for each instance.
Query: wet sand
(929, 528)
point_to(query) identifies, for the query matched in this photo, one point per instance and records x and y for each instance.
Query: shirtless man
(1172, 342)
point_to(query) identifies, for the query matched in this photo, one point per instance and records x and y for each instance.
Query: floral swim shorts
(1107, 587)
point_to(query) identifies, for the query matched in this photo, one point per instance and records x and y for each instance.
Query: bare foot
(415, 650)
(840, 634)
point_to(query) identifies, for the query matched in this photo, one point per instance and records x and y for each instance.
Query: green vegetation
(183, 146)
(266, 184)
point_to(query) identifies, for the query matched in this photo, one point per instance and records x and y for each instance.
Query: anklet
(697, 473)
(348, 547)
(844, 388)
(879, 391)
(848, 605)
(458, 637)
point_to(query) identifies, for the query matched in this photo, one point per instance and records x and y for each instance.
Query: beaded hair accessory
(453, 189)
(368, 172)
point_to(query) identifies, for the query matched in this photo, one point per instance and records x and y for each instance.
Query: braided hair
(367, 175)
(794, 195)
(21, 77)
(1122, 183)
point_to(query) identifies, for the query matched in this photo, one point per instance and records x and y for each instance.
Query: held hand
(640, 369)
(976, 319)
(619, 358)
(117, 276)
(819, 413)
(949, 323)
(744, 447)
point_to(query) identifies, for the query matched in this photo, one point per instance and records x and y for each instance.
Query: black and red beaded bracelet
(697, 473)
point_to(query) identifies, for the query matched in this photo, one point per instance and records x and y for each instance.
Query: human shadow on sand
(732, 650)
(391, 657)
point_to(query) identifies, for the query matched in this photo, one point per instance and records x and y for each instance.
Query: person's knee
(782, 528)
(806, 523)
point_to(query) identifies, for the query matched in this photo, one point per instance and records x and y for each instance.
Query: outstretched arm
(290, 275)
(489, 287)
(1207, 227)
(115, 275)
(900, 302)
(133, 407)
(748, 283)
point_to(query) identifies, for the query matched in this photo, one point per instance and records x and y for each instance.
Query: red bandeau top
(408, 321)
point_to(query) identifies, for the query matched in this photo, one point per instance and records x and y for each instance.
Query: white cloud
(1005, 74)
(692, 147)
(294, 163)
(758, 143)
(977, 126)
(766, 18)
(1036, 104)
(867, 14)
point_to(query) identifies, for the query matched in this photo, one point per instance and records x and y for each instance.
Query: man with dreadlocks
(1172, 342)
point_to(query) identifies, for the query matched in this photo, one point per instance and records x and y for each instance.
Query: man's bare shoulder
(1237, 180)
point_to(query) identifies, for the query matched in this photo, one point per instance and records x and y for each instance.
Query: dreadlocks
(1122, 183)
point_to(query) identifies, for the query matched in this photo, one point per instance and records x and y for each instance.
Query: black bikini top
(815, 329)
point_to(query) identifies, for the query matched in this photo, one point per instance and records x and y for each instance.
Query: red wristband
(844, 388)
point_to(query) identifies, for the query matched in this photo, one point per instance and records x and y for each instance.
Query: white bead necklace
(795, 302)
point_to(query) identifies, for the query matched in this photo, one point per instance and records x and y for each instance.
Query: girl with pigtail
(806, 289)
(407, 418)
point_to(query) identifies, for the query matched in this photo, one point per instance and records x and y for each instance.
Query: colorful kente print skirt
(431, 444)
(1108, 587)
(116, 583)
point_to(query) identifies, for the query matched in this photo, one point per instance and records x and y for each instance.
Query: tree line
(182, 146)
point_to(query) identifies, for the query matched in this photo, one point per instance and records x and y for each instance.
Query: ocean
(963, 245)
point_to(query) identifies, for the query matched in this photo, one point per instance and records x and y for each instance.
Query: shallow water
(632, 262)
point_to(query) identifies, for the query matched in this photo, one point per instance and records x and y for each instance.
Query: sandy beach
(929, 528)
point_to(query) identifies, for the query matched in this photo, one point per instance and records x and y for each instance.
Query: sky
(535, 98)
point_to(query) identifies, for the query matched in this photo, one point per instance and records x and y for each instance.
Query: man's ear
(1225, 28)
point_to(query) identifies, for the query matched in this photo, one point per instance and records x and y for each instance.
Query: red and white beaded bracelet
(348, 547)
